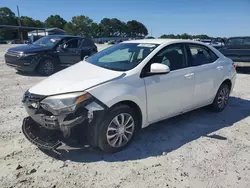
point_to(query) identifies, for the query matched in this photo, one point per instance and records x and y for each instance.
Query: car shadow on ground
(169, 135)
(31, 74)
(36, 74)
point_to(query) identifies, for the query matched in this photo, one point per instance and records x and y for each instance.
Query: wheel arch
(228, 82)
(42, 57)
(133, 105)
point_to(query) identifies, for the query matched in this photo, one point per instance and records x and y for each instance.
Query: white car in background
(113, 94)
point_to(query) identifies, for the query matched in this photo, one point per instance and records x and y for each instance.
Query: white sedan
(113, 94)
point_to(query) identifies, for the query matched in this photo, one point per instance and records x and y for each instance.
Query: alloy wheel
(223, 97)
(48, 67)
(120, 130)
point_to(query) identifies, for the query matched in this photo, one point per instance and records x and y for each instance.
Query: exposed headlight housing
(26, 55)
(65, 102)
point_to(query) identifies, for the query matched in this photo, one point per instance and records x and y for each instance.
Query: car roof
(164, 41)
(68, 36)
(239, 37)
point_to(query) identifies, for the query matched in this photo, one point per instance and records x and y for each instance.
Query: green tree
(185, 36)
(202, 36)
(118, 27)
(55, 21)
(27, 21)
(80, 25)
(170, 36)
(101, 32)
(7, 17)
(136, 29)
(106, 27)
(39, 23)
(95, 30)
(69, 28)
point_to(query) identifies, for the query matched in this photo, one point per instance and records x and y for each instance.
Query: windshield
(48, 41)
(123, 56)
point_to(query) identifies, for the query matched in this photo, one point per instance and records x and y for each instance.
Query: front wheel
(118, 129)
(47, 67)
(221, 98)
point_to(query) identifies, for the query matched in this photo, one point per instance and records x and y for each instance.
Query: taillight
(234, 65)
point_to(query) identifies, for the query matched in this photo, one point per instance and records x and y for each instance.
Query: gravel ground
(197, 149)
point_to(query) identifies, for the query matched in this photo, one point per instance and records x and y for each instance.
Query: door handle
(219, 68)
(189, 75)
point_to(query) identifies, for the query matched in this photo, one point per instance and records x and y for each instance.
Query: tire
(221, 99)
(113, 144)
(47, 67)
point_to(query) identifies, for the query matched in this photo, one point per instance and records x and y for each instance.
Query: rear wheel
(47, 67)
(118, 129)
(221, 98)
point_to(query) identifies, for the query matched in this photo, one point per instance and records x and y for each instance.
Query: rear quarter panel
(228, 70)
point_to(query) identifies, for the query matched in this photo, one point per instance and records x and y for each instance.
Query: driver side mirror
(159, 68)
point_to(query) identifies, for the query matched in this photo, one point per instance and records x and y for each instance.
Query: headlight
(64, 102)
(26, 55)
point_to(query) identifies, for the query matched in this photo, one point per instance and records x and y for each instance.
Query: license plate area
(40, 136)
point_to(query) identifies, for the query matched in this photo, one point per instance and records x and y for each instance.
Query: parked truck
(238, 49)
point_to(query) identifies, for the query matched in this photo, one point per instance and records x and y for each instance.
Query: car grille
(37, 112)
(13, 53)
(32, 98)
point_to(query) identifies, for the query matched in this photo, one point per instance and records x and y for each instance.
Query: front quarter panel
(128, 88)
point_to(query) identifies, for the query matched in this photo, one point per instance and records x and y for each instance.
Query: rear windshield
(234, 41)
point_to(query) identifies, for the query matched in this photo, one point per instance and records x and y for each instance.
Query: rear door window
(73, 43)
(87, 43)
(201, 55)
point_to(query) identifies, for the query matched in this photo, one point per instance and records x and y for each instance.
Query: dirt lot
(198, 149)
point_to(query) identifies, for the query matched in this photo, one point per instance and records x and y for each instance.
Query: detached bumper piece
(40, 136)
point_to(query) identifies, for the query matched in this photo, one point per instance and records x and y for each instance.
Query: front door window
(173, 56)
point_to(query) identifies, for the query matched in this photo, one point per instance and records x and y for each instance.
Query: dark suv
(238, 49)
(49, 53)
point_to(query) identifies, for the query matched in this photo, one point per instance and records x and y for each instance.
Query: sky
(212, 17)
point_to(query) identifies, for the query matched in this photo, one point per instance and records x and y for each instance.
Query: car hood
(29, 48)
(78, 77)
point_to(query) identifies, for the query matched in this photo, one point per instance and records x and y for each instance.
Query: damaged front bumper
(50, 131)
(40, 136)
